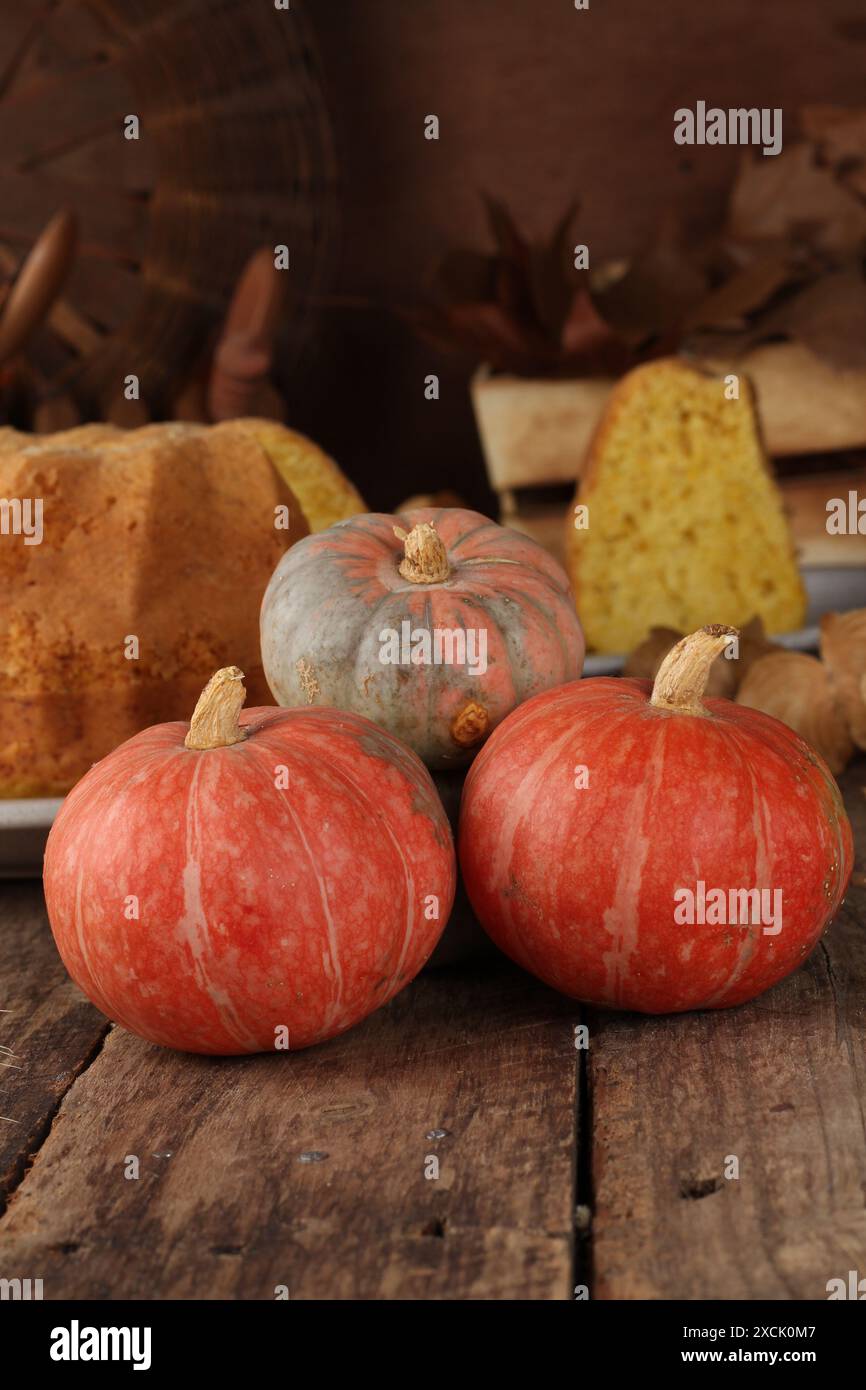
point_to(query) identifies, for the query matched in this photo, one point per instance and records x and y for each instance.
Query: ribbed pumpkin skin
(325, 609)
(577, 885)
(258, 907)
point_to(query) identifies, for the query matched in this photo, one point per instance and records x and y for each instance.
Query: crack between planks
(843, 1034)
(42, 1131)
(582, 1271)
(445, 1228)
(839, 994)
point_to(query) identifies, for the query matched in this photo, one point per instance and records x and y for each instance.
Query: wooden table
(557, 1167)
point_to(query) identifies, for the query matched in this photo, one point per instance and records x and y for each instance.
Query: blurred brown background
(538, 103)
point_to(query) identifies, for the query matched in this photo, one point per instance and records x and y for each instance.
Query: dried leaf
(585, 333)
(506, 235)
(828, 317)
(855, 179)
(512, 292)
(654, 295)
(790, 197)
(490, 333)
(788, 266)
(708, 345)
(839, 133)
(747, 290)
(553, 278)
(840, 137)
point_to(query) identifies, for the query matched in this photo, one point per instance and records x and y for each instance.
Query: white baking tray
(24, 827)
(829, 591)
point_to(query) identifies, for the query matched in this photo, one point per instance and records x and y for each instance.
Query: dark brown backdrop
(537, 102)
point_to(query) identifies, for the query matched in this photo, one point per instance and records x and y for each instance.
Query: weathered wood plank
(48, 1031)
(781, 1085)
(485, 1054)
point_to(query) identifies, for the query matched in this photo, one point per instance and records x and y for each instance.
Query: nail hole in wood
(694, 1189)
(434, 1228)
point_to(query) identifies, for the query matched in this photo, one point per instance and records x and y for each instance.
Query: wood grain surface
(780, 1085)
(308, 1171)
(48, 1031)
(227, 1207)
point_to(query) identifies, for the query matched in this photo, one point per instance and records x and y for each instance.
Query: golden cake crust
(161, 541)
(321, 487)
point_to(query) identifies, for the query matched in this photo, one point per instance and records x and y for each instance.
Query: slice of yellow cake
(323, 490)
(677, 520)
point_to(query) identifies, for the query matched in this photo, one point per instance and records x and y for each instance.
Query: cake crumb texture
(686, 523)
(164, 534)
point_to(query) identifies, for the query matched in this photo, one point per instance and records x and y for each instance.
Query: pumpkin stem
(683, 675)
(214, 723)
(425, 559)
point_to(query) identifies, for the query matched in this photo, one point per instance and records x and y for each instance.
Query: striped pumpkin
(606, 825)
(263, 881)
(435, 624)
